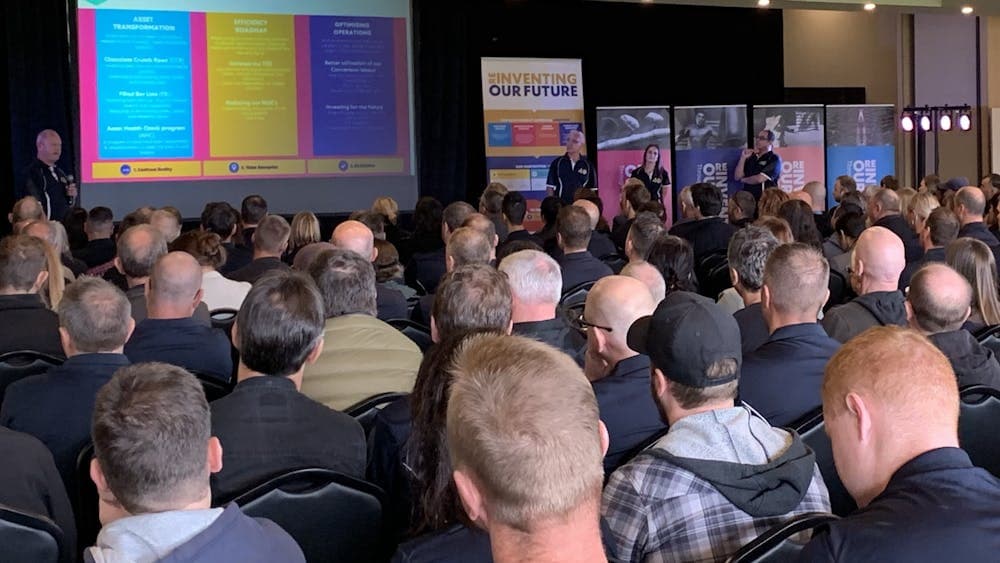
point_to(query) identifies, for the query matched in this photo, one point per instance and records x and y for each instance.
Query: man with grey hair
(937, 304)
(536, 286)
(166, 222)
(781, 379)
(138, 250)
(747, 254)
(94, 323)
(648, 275)
(362, 355)
(884, 211)
(169, 333)
(356, 236)
(154, 453)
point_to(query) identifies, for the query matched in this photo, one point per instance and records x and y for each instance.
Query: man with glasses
(619, 374)
(759, 167)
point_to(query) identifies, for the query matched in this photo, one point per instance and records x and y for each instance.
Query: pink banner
(800, 165)
(613, 168)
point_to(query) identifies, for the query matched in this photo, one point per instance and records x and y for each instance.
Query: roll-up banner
(529, 107)
(623, 135)
(798, 140)
(708, 141)
(860, 143)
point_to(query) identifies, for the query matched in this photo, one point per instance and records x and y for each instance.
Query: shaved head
(878, 258)
(649, 276)
(174, 282)
(883, 202)
(356, 237)
(802, 195)
(973, 200)
(592, 211)
(616, 302)
(939, 299)
(817, 191)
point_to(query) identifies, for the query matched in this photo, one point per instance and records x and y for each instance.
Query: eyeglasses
(584, 324)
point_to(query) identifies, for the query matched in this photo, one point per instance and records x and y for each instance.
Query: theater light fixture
(930, 118)
(925, 122)
(967, 10)
(870, 6)
(763, 3)
(906, 121)
(944, 122)
(965, 119)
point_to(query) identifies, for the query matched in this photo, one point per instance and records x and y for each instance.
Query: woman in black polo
(652, 174)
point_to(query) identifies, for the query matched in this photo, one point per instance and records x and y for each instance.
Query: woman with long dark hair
(652, 174)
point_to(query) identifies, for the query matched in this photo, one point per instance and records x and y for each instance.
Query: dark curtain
(40, 93)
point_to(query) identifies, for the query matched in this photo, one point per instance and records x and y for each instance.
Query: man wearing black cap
(722, 475)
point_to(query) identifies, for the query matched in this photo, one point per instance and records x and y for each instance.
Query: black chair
(331, 516)
(776, 544)
(15, 366)
(85, 501)
(418, 333)
(712, 272)
(810, 428)
(28, 537)
(364, 411)
(978, 421)
(576, 295)
(214, 387)
(989, 337)
(223, 319)
(615, 261)
(839, 290)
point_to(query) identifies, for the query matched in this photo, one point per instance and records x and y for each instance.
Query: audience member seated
(266, 426)
(649, 276)
(970, 206)
(938, 303)
(600, 244)
(843, 186)
(362, 355)
(358, 238)
(620, 375)
(427, 267)
(56, 407)
(542, 504)
(722, 475)
(309, 253)
(742, 209)
(799, 215)
(536, 286)
(708, 233)
(891, 407)
(633, 196)
(217, 291)
(220, 218)
(849, 227)
(253, 209)
(270, 239)
(426, 232)
(23, 272)
(389, 210)
(389, 270)
(672, 256)
(304, 231)
(515, 207)
(31, 483)
(473, 296)
(169, 334)
(939, 230)
(47, 232)
(920, 209)
(550, 213)
(577, 263)
(884, 211)
(770, 201)
(748, 252)
(482, 224)
(646, 227)
(138, 250)
(165, 221)
(817, 193)
(975, 261)
(374, 221)
(100, 248)
(26, 210)
(491, 205)
(781, 378)
(154, 453)
(833, 244)
(877, 261)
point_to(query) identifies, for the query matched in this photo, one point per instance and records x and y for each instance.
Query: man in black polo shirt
(891, 409)
(44, 180)
(571, 170)
(759, 167)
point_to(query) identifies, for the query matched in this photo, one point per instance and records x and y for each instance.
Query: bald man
(358, 238)
(26, 209)
(166, 222)
(970, 206)
(600, 244)
(937, 304)
(619, 374)
(44, 180)
(884, 211)
(484, 225)
(877, 261)
(169, 333)
(649, 275)
(891, 407)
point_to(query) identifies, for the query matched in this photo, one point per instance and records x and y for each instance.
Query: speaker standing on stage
(759, 167)
(570, 171)
(656, 178)
(47, 182)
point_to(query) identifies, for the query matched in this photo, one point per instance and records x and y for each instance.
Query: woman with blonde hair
(305, 230)
(388, 208)
(906, 196)
(770, 201)
(975, 261)
(919, 210)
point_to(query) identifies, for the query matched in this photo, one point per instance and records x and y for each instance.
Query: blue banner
(860, 143)
(714, 166)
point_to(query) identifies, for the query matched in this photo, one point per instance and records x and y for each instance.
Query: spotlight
(906, 121)
(965, 120)
(763, 3)
(870, 6)
(944, 122)
(925, 122)
(966, 10)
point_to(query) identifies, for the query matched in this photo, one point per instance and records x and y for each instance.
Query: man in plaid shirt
(722, 475)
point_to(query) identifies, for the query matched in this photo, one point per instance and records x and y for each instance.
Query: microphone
(66, 180)
(69, 198)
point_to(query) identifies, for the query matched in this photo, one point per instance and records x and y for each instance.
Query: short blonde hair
(902, 371)
(922, 204)
(388, 207)
(523, 421)
(305, 229)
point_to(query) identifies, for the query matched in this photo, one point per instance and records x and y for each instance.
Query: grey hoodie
(878, 308)
(149, 537)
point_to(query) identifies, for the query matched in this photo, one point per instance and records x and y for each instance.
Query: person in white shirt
(218, 292)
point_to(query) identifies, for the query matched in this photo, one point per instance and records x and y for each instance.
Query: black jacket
(706, 236)
(37, 326)
(581, 267)
(897, 224)
(973, 364)
(557, 333)
(627, 409)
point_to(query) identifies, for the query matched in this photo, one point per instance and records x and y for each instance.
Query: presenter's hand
(746, 153)
(71, 190)
(549, 191)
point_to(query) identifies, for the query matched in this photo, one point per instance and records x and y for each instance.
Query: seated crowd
(590, 391)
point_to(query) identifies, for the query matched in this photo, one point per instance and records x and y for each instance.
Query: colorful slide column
(144, 77)
(251, 88)
(799, 141)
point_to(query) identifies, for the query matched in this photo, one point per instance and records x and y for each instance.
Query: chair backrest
(810, 428)
(839, 290)
(418, 333)
(777, 544)
(214, 387)
(332, 517)
(989, 337)
(978, 421)
(223, 319)
(712, 272)
(30, 537)
(576, 295)
(85, 501)
(15, 366)
(615, 261)
(364, 411)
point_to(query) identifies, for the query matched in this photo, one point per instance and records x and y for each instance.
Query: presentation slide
(301, 100)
